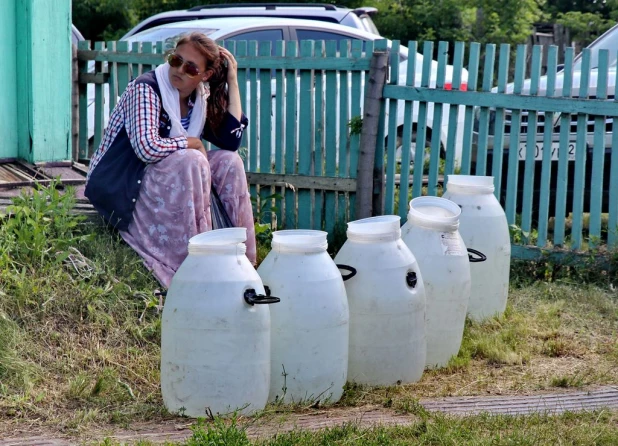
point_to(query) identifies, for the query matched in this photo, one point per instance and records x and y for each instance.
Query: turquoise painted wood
(318, 138)
(291, 137)
(563, 161)
(436, 150)
(305, 137)
(343, 161)
(421, 129)
(598, 155)
(580, 158)
(498, 158)
(473, 67)
(389, 201)
(406, 137)
(529, 164)
(546, 173)
(449, 165)
(279, 115)
(330, 141)
(488, 79)
(265, 127)
(8, 74)
(42, 46)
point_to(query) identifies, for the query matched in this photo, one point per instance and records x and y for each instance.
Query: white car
(277, 29)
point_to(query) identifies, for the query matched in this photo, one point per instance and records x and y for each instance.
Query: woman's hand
(232, 66)
(195, 144)
(233, 107)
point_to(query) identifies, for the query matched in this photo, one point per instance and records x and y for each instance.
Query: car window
(609, 41)
(168, 35)
(314, 34)
(263, 35)
(369, 24)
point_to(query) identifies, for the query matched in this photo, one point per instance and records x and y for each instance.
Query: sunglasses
(176, 61)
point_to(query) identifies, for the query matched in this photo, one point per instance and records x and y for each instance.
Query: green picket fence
(559, 184)
(558, 187)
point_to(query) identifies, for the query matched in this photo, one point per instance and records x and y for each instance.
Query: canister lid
(434, 213)
(472, 184)
(300, 240)
(218, 240)
(380, 228)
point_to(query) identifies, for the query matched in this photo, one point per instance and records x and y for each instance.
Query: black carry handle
(411, 279)
(252, 298)
(481, 257)
(349, 268)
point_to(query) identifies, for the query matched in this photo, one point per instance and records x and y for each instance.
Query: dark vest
(115, 182)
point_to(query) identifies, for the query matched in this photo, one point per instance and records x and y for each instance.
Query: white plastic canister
(387, 304)
(432, 235)
(483, 226)
(215, 340)
(309, 327)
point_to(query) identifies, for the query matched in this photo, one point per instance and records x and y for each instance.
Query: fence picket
(513, 170)
(529, 163)
(562, 176)
(318, 138)
(83, 103)
(421, 129)
(330, 141)
(546, 171)
(598, 155)
(488, 80)
(99, 101)
(355, 112)
(305, 139)
(435, 154)
(498, 146)
(406, 138)
(580, 157)
(291, 118)
(344, 141)
(453, 129)
(389, 194)
(279, 131)
(473, 69)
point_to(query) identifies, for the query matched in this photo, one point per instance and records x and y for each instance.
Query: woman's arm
(142, 125)
(234, 108)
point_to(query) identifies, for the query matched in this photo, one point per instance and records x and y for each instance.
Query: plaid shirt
(138, 111)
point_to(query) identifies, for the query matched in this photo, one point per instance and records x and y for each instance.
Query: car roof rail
(326, 6)
(369, 10)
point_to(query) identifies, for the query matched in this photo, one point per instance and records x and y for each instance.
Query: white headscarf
(171, 104)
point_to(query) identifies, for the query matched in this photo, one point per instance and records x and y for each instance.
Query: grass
(592, 428)
(80, 336)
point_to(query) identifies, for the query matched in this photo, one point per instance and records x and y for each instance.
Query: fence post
(367, 178)
(75, 105)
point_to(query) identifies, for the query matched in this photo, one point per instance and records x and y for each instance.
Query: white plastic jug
(432, 235)
(483, 226)
(387, 304)
(309, 328)
(215, 339)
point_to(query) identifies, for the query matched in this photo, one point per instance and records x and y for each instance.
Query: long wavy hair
(218, 101)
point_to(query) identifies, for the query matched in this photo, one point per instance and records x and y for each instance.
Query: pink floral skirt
(174, 205)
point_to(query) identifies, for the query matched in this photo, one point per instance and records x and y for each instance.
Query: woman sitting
(151, 177)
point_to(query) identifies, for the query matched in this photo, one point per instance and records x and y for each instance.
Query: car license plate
(555, 151)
